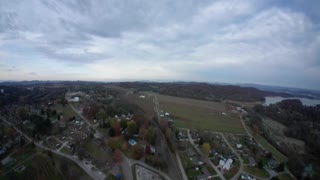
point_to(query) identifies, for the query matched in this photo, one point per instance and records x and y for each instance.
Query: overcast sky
(273, 42)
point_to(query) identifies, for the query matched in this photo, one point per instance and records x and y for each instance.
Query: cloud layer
(266, 42)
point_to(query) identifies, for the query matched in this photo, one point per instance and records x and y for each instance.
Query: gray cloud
(180, 38)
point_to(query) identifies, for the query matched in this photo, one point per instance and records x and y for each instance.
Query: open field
(256, 171)
(199, 114)
(285, 176)
(66, 111)
(95, 151)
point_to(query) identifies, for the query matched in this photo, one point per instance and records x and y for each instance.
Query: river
(305, 101)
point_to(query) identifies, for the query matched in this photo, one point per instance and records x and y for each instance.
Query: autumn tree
(150, 135)
(132, 127)
(113, 143)
(116, 128)
(137, 151)
(117, 156)
(124, 146)
(123, 123)
(142, 132)
(206, 149)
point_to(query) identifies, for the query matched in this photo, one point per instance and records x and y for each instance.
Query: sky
(272, 42)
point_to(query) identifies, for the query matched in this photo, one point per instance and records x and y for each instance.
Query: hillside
(204, 91)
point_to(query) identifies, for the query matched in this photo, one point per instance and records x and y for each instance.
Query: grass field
(95, 151)
(285, 176)
(199, 114)
(256, 171)
(66, 111)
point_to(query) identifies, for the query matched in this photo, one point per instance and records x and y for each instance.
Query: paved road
(184, 175)
(206, 158)
(91, 173)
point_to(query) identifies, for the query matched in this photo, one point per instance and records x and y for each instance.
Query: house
(246, 177)
(252, 162)
(222, 162)
(272, 164)
(74, 99)
(239, 146)
(213, 152)
(152, 149)
(8, 161)
(132, 142)
(226, 165)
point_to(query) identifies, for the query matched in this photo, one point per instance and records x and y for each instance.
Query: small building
(246, 177)
(252, 162)
(227, 165)
(273, 164)
(8, 161)
(239, 146)
(132, 142)
(74, 99)
(152, 149)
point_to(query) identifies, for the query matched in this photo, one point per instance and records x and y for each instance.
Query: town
(107, 131)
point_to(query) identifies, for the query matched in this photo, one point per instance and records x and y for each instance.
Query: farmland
(199, 114)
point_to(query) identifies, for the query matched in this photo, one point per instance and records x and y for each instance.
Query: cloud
(221, 40)
(33, 73)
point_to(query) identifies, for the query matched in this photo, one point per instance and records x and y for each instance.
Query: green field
(66, 111)
(285, 176)
(95, 151)
(199, 114)
(256, 171)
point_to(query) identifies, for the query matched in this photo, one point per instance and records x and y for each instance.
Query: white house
(239, 146)
(227, 165)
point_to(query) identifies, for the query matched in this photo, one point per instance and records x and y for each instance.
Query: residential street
(91, 173)
(206, 158)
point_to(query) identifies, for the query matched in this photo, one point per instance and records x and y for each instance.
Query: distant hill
(195, 90)
(292, 91)
(204, 91)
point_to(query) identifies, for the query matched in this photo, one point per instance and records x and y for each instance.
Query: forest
(302, 122)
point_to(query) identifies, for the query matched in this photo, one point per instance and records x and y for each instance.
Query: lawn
(198, 114)
(94, 150)
(285, 176)
(256, 171)
(233, 171)
(211, 170)
(66, 110)
(66, 150)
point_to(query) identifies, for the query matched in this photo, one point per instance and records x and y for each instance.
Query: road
(80, 163)
(178, 171)
(97, 132)
(206, 158)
